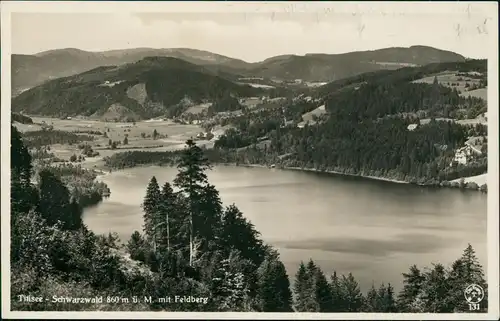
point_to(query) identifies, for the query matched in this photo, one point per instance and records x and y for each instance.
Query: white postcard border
(486, 8)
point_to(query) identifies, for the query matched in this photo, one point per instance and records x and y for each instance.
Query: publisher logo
(474, 294)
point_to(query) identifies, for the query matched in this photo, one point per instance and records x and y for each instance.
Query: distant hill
(325, 67)
(31, 70)
(400, 75)
(150, 87)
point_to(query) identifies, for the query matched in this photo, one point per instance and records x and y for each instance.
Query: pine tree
(20, 159)
(167, 214)
(230, 287)
(435, 291)
(322, 292)
(191, 180)
(386, 297)
(338, 301)
(136, 247)
(208, 216)
(239, 234)
(301, 288)
(317, 291)
(411, 289)
(311, 303)
(273, 291)
(380, 297)
(473, 271)
(435, 95)
(151, 212)
(351, 293)
(75, 212)
(372, 300)
(464, 272)
(54, 200)
(23, 195)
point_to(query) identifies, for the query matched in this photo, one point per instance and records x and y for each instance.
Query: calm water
(373, 229)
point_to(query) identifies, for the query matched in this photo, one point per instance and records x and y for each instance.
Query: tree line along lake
(373, 229)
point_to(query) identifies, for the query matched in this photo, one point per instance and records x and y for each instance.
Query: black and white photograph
(277, 160)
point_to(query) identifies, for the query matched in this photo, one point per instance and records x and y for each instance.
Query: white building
(463, 155)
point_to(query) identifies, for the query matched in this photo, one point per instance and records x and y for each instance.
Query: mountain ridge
(31, 70)
(150, 87)
(139, 49)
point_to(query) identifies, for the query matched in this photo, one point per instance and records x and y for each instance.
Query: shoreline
(370, 177)
(384, 179)
(367, 177)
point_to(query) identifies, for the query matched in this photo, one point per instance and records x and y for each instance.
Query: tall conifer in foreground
(435, 291)
(54, 203)
(151, 208)
(337, 294)
(371, 301)
(318, 294)
(323, 292)
(352, 296)
(273, 286)
(167, 214)
(412, 287)
(300, 288)
(466, 271)
(23, 195)
(191, 180)
(387, 300)
(239, 234)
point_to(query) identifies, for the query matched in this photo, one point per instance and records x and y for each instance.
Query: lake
(373, 229)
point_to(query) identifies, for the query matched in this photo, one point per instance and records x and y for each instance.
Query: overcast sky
(258, 32)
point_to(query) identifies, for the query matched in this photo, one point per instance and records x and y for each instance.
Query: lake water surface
(373, 229)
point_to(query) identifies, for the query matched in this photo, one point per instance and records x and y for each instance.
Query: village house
(475, 143)
(412, 127)
(464, 155)
(428, 120)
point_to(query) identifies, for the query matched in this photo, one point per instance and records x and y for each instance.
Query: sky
(254, 32)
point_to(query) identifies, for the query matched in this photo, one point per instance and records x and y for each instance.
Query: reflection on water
(373, 229)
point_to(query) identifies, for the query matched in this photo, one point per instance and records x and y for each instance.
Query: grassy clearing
(481, 119)
(478, 93)
(171, 136)
(310, 117)
(478, 179)
(198, 109)
(450, 79)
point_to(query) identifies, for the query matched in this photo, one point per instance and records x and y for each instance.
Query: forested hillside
(366, 131)
(402, 75)
(151, 87)
(33, 70)
(329, 67)
(385, 126)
